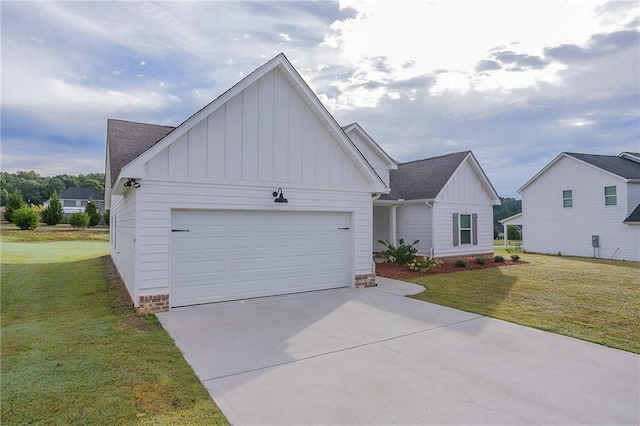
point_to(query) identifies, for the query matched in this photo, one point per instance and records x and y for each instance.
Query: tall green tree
(53, 214)
(92, 211)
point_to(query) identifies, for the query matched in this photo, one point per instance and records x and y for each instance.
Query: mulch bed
(402, 271)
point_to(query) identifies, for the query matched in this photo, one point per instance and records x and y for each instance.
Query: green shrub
(79, 220)
(106, 215)
(14, 202)
(53, 214)
(515, 257)
(460, 263)
(92, 211)
(25, 218)
(400, 254)
(498, 259)
(423, 264)
(481, 261)
(513, 233)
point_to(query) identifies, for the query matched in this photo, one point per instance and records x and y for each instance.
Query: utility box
(595, 241)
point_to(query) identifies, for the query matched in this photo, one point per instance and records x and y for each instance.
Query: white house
(584, 205)
(259, 193)
(74, 199)
(445, 202)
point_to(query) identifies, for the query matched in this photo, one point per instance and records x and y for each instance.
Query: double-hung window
(465, 229)
(610, 196)
(567, 198)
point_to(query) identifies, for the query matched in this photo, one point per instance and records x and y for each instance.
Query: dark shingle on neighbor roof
(81, 193)
(634, 217)
(423, 179)
(622, 167)
(128, 139)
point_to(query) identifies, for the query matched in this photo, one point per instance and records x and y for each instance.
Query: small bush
(515, 257)
(498, 259)
(423, 264)
(481, 261)
(79, 220)
(460, 263)
(400, 254)
(25, 218)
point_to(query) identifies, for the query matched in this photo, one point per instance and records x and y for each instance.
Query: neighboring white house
(259, 193)
(74, 199)
(584, 205)
(445, 202)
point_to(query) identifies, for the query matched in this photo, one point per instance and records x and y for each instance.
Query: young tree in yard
(79, 220)
(14, 203)
(53, 214)
(25, 218)
(106, 215)
(513, 233)
(92, 211)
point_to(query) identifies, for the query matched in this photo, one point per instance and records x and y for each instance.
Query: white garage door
(230, 255)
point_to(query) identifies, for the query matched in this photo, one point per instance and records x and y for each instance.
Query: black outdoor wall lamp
(132, 182)
(280, 198)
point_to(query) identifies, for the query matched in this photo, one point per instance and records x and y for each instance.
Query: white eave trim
(355, 127)
(565, 155)
(134, 169)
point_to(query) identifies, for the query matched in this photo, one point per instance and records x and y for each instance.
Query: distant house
(74, 199)
(445, 202)
(584, 205)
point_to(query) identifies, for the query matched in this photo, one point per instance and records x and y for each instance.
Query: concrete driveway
(371, 356)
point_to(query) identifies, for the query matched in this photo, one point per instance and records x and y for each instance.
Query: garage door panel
(229, 255)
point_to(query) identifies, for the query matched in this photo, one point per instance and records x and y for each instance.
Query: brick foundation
(153, 304)
(366, 280)
(488, 255)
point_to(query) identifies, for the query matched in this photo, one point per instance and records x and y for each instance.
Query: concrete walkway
(370, 356)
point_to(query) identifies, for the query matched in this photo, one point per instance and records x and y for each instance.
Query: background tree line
(37, 189)
(509, 207)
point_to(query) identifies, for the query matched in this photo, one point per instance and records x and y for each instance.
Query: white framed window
(610, 196)
(567, 198)
(78, 203)
(465, 229)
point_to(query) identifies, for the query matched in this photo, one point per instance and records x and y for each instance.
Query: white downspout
(432, 207)
(393, 225)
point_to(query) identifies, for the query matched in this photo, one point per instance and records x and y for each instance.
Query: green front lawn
(590, 299)
(72, 353)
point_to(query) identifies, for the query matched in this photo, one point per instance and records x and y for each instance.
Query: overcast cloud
(516, 82)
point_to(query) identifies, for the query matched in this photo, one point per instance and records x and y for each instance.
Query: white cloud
(285, 36)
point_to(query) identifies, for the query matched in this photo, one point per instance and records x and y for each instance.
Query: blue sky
(516, 82)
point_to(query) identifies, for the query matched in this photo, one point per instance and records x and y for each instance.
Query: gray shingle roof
(128, 139)
(622, 167)
(423, 179)
(81, 193)
(634, 217)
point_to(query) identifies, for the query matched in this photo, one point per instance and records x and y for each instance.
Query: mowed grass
(72, 355)
(590, 299)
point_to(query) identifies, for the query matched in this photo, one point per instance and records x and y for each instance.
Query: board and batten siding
(265, 134)
(158, 198)
(378, 163)
(414, 223)
(548, 227)
(123, 238)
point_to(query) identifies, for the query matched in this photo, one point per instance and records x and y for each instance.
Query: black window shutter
(474, 228)
(456, 230)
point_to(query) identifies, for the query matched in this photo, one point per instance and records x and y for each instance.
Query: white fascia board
(484, 180)
(629, 156)
(355, 127)
(135, 168)
(565, 155)
(511, 218)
